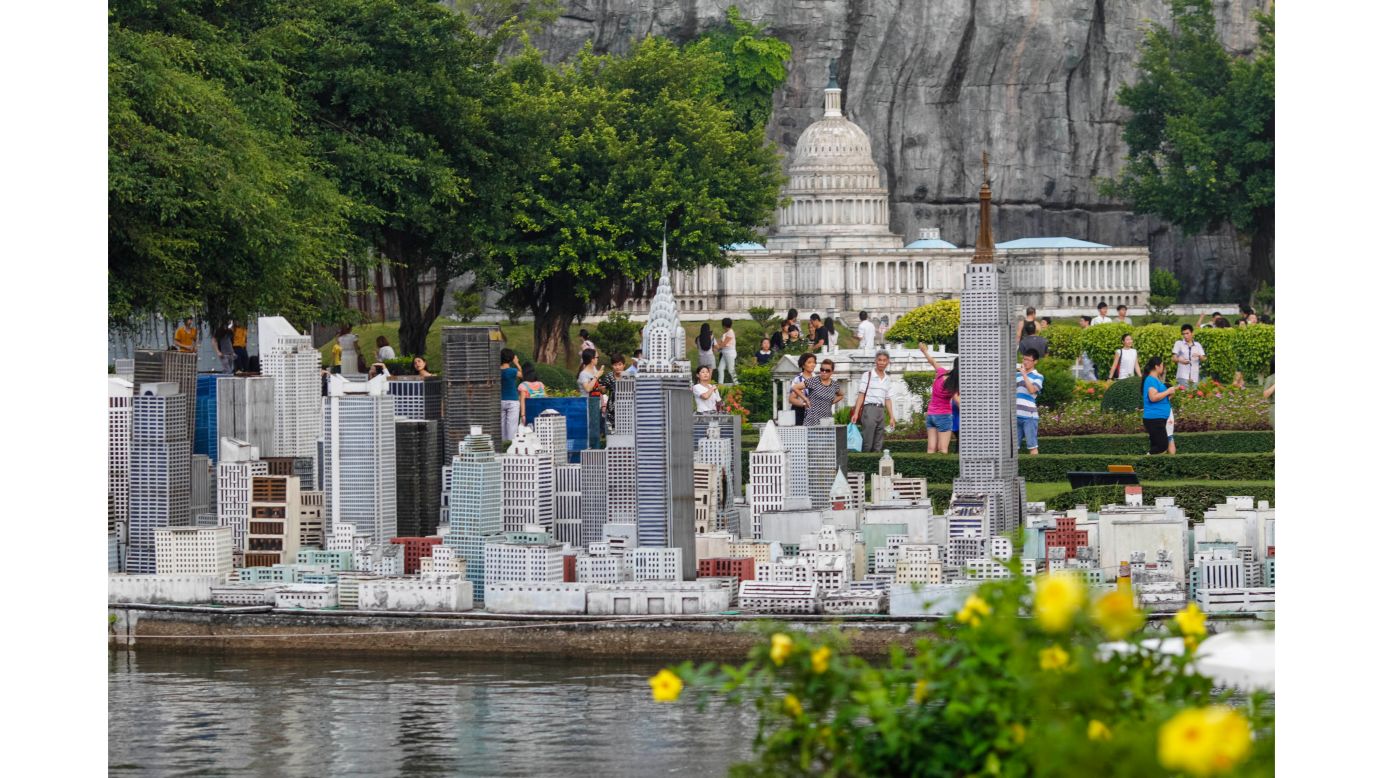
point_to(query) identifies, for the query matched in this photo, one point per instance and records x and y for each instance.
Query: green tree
(469, 302)
(616, 335)
(1201, 135)
(757, 64)
(1164, 288)
(214, 207)
(762, 315)
(614, 150)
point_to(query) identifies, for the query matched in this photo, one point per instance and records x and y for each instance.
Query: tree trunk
(1261, 249)
(551, 330)
(415, 318)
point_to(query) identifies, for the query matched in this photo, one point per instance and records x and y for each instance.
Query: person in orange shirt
(239, 337)
(186, 336)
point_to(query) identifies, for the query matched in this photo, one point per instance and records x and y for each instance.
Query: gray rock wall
(934, 82)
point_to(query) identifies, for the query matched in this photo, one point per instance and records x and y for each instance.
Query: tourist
(822, 392)
(945, 388)
(1043, 323)
(1029, 383)
(335, 356)
(728, 353)
(765, 353)
(866, 333)
(874, 405)
(1122, 310)
(797, 394)
(1085, 366)
(377, 369)
(1029, 317)
(792, 323)
(420, 367)
(1171, 431)
(1084, 321)
(1156, 405)
(239, 339)
(813, 324)
(634, 361)
(1270, 389)
(1188, 354)
(586, 341)
(185, 337)
(705, 347)
(350, 354)
(780, 339)
(587, 380)
(1252, 318)
(383, 351)
(1101, 314)
(508, 394)
(1125, 360)
(706, 393)
(607, 387)
(221, 342)
(1031, 341)
(955, 415)
(831, 337)
(531, 388)
(794, 336)
(821, 339)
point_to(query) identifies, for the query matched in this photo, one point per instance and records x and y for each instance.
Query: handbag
(854, 440)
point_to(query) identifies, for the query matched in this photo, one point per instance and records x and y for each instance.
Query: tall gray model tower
(989, 445)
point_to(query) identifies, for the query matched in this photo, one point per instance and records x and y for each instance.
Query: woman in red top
(945, 388)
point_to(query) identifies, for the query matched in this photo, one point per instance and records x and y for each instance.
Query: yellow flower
(1057, 599)
(792, 705)
(1204, 741)
(667, 686)
(1098, 731)
(919, 690)
(1191, 622)
(1020, 733)
(973, 610)
(821, 659)
(1054, 658)
(782, 648)
(1117, 614)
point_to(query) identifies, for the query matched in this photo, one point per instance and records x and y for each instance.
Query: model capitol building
(832, 251)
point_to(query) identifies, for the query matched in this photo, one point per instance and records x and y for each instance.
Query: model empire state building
(989, 438)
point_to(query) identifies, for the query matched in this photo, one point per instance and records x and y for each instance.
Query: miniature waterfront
(323, 715)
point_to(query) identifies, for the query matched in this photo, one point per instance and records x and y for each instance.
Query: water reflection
(346, 715)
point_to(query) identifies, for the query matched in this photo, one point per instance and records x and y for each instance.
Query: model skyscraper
(988, 449)
(160, 476)
(359, 458)
(295, 366)
(476, 508)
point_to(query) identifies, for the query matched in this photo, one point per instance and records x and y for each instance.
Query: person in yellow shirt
(186, 336)
(335, 357)
(239, 337)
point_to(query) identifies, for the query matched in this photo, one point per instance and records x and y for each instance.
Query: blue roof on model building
(1049, 243)
(745, 247)
(930, 243)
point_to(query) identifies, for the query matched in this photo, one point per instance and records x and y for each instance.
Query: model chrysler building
(989, 445)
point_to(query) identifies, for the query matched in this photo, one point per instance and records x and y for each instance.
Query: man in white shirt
(866, 332)
(1103, 314)
(874, 404)
(1188, 354)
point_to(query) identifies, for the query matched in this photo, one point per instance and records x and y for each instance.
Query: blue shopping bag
(854, 441)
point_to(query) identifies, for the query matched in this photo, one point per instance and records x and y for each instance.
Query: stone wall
(934, 82)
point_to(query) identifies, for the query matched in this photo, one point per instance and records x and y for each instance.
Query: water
(341, 715)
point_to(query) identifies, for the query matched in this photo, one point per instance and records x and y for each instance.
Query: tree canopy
(1200, 138)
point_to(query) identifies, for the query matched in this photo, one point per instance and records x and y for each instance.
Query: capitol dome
(833, 183)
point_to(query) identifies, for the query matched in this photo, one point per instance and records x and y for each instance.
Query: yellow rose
(781, 649)
(1204, 741)
(974, 608)
(821, 659)
(1191, 623)
(1098, 731)
(1117, 614)
(1057, 598)
(919, 690)
(1053, 658)
(667, 686)
(792, 705)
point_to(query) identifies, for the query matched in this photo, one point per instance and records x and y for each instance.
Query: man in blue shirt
(508, 394)
(1029, 383)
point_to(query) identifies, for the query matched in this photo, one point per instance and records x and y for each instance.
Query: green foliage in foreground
(1054, 467)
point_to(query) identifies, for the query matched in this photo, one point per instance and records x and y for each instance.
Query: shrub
(1164, 289)
(919, 382)
(616, 335)
(1063, 341)
(1230, 442)
(1253, 349)
(1054, 467)
(1155, 340)
(988, 691)
(762, 316)
(1195, 499)
(555, 378)
(936, 322)
(402, 366)
(1219, 353)
(469, 302)
(1100, 342)
(1058, 382)
(757, 395)
(1122, 396)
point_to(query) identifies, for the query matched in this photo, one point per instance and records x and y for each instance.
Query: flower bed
(1210, 408)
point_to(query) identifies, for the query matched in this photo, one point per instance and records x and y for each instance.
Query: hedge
(1229, 442)
(1054, 467)
(1195, 499)
(1063, 341)
(932, 323)
(1244, 349)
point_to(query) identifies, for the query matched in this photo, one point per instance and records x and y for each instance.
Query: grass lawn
(520, 338)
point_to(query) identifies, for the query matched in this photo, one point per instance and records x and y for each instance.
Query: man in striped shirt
(1029, 383)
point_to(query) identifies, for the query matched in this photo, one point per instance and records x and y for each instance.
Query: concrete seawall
(672, 638)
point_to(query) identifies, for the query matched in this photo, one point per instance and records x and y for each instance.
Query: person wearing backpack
(1157, 405)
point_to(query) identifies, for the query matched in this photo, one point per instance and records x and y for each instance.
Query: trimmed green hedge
(1195, 499)
(1053, 467)
(1233, 442)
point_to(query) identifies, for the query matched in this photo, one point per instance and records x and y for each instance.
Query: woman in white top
(1125, 360)
(707, 395)
(728, 353)
(350, 354)
(384, 350)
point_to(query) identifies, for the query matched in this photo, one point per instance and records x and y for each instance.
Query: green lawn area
(520, 338)
(1043, 491)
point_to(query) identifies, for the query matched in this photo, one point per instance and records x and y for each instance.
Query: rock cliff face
(934, 82)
